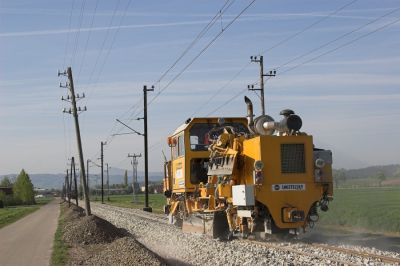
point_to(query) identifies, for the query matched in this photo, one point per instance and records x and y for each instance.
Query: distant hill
(391, 170)
(56, 180)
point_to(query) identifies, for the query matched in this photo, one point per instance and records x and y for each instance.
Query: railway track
(381, 258)
(288, 252)
(365, 255)
(330, 248)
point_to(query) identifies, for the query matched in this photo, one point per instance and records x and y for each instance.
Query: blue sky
(348, 98)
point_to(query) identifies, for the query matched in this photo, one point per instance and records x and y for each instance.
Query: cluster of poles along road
(84, 178)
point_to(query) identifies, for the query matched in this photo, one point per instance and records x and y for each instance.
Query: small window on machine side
(181, 146)
(198, 171)
(175, 149)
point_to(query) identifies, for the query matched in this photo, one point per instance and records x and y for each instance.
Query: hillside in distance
(391, 170)
(56, 180)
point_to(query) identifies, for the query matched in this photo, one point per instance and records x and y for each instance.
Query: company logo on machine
(288, 187)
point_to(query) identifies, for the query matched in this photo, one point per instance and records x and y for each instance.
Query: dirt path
(29, 241)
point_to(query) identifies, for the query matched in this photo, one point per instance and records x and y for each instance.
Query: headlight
(258, 165)
(320, 163)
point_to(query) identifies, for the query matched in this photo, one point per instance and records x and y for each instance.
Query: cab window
(200, 137)
(181, 146)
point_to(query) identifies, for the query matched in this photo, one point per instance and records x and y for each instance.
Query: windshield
(200, 137)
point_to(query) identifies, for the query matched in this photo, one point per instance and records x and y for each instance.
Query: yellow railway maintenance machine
(238, 176)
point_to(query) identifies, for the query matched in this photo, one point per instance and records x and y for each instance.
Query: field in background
(374, 209)
(11, 214)
(156, 201)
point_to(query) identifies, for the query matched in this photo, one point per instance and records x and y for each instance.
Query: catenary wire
(78, 33)
(68, 35)
(313, 59)
(199, 54)
(283, 41)
(197, 38)
(88, 38)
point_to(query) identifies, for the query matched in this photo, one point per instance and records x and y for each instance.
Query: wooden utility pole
(76, 184)
(134, 174)
(74, 110)
(146, 151)
(272, 73)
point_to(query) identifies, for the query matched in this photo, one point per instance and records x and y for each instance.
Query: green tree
(126, 178)
(381, 177)
(23, 189)
(6, 182)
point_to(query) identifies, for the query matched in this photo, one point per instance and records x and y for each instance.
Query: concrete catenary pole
(102, 170)
(146, 151)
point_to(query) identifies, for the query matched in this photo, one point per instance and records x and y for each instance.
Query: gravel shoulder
(95, 241)
(179, 248)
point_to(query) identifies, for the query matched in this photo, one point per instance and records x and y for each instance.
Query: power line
(339, 38)
(78, 32)
(104, 41)
(112, 42)
(201, 52)
(88, 38)
(225, 7)
(68, 34)
(198, 37)
(308, 27)
(320, 55)
(218, 91)
(341, 46)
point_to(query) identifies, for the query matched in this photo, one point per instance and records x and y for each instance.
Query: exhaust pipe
(250, 113)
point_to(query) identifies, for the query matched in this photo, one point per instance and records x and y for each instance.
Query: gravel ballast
(177, 247)
(95, 241)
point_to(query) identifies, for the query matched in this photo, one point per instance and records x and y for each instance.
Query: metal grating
(292, 159)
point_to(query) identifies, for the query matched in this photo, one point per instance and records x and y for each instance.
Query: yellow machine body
(248, 183)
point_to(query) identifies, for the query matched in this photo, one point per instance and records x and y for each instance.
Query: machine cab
(189, 151)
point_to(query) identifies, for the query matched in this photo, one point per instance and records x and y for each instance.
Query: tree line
(22, 191)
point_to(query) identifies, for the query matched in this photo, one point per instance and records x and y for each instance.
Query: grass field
(11, 214)
(156, 201)
(373, 209)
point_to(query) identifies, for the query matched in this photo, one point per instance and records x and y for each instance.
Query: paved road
(29, 241)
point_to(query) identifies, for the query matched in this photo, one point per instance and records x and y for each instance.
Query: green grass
(372, 209)
(60, 249)
(11, 214)
(156, 201)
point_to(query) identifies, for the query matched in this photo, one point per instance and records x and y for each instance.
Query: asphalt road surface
(29, 241)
